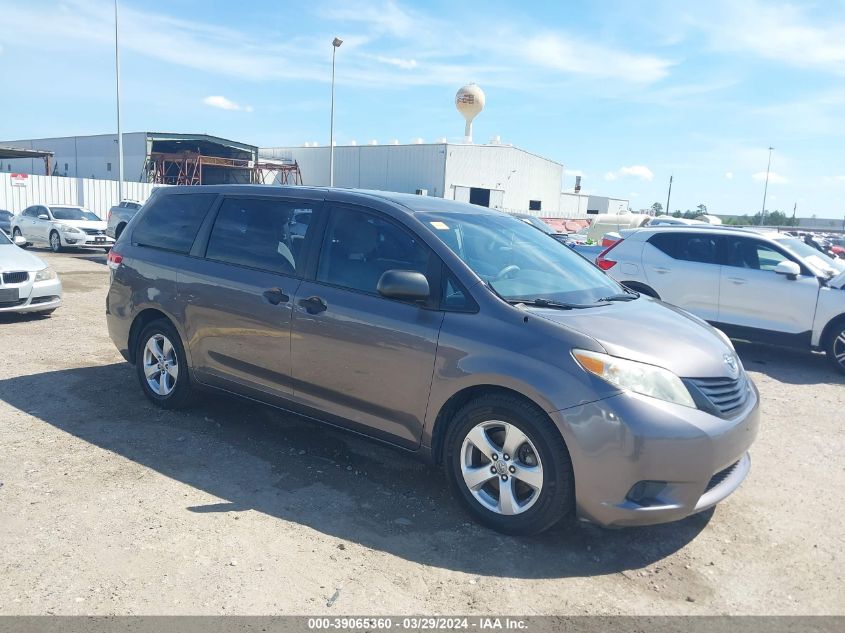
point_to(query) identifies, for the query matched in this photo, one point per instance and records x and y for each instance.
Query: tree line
(773, 218)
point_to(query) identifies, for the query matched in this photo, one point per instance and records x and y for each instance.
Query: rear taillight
(603, 261)
(115, 260)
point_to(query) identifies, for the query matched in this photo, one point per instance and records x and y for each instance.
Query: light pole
(669, 195)
(117, 86)
(766, 188)
(336, 42)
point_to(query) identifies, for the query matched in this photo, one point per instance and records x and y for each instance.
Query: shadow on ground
(256, 457)
(788, 365)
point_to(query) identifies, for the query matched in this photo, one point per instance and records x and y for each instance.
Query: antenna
(470, 102)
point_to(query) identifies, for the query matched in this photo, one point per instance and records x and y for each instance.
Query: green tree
(657, 208)
(702, 209)
(677, 213)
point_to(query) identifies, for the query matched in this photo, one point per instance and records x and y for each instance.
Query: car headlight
(647, 380)
(45, 274)
(69, 229)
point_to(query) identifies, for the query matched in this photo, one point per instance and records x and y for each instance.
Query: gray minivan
(458, 333)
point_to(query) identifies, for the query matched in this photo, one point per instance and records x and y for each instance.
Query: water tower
(469, 101)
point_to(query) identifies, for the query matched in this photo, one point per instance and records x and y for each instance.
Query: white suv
(758, 286)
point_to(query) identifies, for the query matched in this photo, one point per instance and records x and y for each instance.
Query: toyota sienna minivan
(455, 332)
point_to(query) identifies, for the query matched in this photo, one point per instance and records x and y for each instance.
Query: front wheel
(509, 465)
(835, 348)
(55, 242)
(162, 367)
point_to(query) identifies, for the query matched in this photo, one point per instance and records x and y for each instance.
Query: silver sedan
(27, 284)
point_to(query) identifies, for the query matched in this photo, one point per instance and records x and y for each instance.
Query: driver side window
(752, 254)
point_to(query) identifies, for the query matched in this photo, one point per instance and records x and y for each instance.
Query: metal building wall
(572, 205)
(84, 156)
(95, 195)
(520, 175)
(402, 168)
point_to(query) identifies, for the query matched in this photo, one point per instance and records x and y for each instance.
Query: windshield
(519, 262)
(821, 263)
(72, 213)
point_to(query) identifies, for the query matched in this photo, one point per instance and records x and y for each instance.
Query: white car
(27, 284)
(758, 286)
(61, 226)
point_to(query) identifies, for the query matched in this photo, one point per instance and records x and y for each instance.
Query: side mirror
(20, 240)
(788, 268)
(408, 285)
(43, 217)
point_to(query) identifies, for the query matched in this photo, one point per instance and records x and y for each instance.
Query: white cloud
(780, 32)
(219, 101)
(399, 62)
(729, 175)
(774, 177)
(634, 171)
(571, 55)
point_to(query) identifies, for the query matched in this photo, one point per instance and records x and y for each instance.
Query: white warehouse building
(495, 175)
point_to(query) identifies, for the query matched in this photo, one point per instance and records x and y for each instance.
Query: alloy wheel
(501, 467)
(839, 349)
(55, 242)
(161, 365)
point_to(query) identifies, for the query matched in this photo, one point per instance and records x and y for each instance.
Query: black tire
(17, 233)
(118, 231)
(556, 498)
(107, 249)
(835, 345)
(55, 244)
(183, 392)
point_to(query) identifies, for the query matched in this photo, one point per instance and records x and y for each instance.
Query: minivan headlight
(647, 380)
(45, 274)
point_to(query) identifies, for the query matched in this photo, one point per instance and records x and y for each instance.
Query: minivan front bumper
(642, 461)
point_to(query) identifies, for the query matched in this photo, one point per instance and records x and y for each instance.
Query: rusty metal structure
(186, 168)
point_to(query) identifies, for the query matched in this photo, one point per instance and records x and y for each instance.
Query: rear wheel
(55, 242)
(835, 347)
(508, 465)
(162, 367)
(17, 233)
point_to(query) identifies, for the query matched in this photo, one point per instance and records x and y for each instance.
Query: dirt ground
(110, 506)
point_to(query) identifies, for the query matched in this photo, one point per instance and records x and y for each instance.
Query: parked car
(6, 221)
(61, 226)
(455, 332)
(837, 247)
(27, 284)
(759, 286)
(119, 216)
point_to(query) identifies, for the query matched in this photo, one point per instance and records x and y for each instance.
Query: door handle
(313, 305)
(661, 270)
(736, 280)
(276, 296)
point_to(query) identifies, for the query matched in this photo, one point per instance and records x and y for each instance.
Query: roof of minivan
(411, 202)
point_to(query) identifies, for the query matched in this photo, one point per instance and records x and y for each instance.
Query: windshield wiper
(545, 303)
(622, 297)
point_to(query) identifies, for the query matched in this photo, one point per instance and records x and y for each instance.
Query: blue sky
(623, 93)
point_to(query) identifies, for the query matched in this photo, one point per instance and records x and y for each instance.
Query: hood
(99, 225)
(651, 332)
(13, 258)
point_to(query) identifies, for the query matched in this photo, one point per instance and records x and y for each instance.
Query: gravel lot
(110, 506)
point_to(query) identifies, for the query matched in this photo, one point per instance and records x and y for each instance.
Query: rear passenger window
(689, 247)
(360, 247)
(261, 233)
(172, 221)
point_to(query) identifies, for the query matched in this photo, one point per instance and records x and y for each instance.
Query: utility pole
(794, 209)
(669, 195)
(766, 188)
(117, 85)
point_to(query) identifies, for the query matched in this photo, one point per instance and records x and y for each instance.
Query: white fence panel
(16, 194)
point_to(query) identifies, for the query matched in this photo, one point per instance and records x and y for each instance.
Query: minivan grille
(725, 394)
(719, 477)
(15, 277)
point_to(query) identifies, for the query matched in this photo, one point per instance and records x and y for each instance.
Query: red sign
(19, 180)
